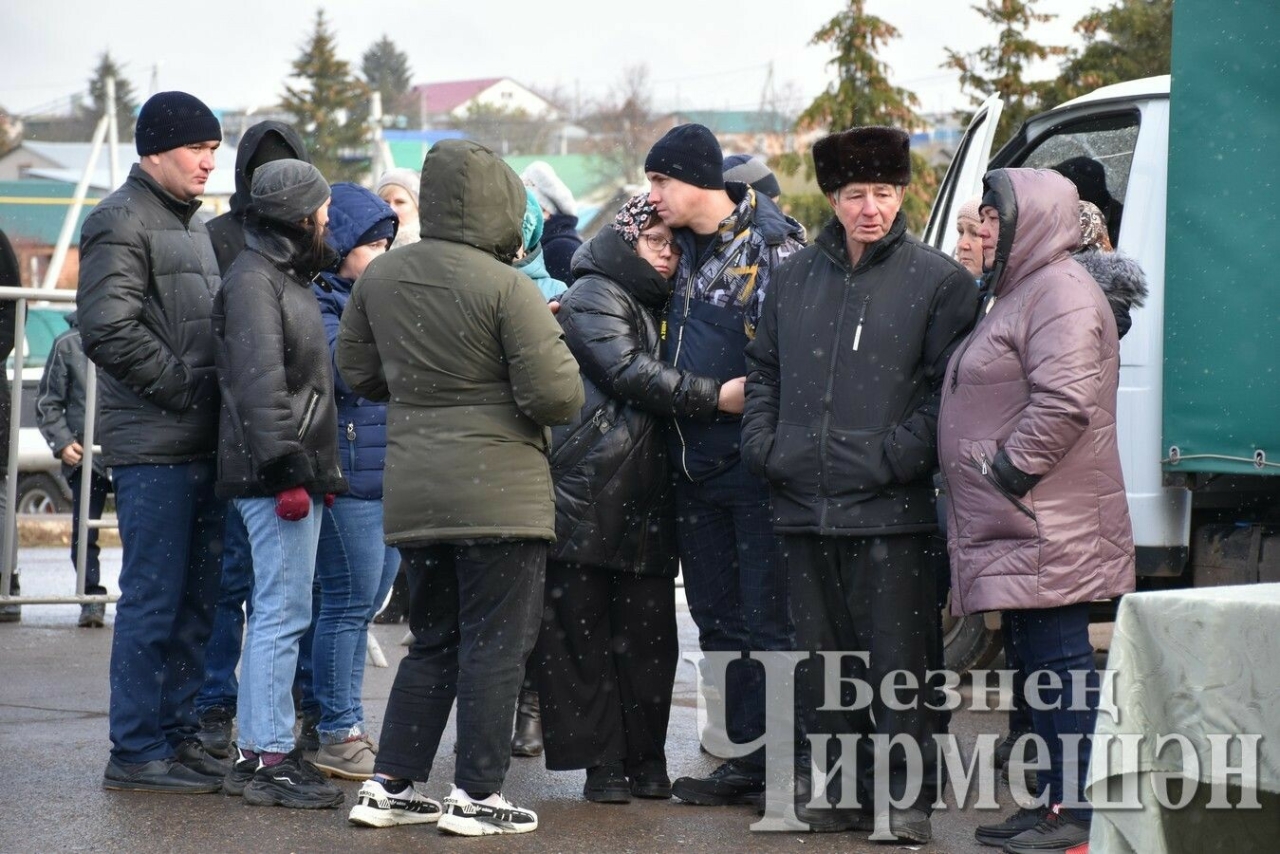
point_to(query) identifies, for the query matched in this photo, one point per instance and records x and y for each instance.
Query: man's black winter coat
(147, 279)
(843, 383)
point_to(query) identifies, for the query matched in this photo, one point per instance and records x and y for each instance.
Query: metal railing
(8, 559)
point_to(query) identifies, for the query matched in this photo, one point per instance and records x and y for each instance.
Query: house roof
(34, 209)
(447, 97)
(735, 121)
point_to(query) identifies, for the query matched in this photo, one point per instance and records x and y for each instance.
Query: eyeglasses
(657, 244)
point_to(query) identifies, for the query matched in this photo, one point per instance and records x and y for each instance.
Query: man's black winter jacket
(843, 383)
(147, 280)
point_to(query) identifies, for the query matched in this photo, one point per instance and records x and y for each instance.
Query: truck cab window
(1096, 153)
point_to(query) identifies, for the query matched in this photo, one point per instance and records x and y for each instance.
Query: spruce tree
(1129, 40)
(1002, 67)
(126, 101)
(386, 70)
(861, 95)
(326, 107)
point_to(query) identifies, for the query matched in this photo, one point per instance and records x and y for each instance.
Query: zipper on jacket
(825, 428)
(983, 465)
(351, 431)
(308, 414)
(862, 318)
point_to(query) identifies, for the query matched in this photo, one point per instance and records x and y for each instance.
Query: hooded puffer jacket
(362, 423)
(275, 138)
(613, 490)
(469, 357)
(1027, 430)
(279, 425)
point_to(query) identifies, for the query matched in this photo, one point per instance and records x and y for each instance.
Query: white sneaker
(376, 807)
(495, 814)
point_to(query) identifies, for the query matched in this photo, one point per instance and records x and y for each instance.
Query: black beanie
(688, 153)
(173, 119)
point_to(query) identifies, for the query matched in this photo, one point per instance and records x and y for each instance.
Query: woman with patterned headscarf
(605, 662)
(1120, 276)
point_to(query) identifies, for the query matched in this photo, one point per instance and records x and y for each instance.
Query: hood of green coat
(470, 196)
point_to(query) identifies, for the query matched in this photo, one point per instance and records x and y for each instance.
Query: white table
(1202, 666)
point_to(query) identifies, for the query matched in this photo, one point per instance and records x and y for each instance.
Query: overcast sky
(236, 54)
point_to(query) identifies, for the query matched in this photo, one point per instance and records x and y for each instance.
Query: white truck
(1199, 399)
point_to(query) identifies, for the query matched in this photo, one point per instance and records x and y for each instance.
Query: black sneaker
(215, 731)
(159, 775)
(607, 784)
(650, 780)
(731, 783)
(996, 835)
(1057, 831)
(192, 754)
(292, 784)
(464, 816)
(242, 771)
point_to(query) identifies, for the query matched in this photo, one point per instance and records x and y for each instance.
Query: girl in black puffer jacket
(605, 661)
(278, 459)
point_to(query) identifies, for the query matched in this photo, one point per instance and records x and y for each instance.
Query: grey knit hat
(409, 180)
(553, 195)
(287, 190)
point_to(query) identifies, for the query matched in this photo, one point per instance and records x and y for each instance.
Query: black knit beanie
(688, 153)
(171, 120)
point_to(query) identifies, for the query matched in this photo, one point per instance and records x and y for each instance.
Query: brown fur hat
(867, 155)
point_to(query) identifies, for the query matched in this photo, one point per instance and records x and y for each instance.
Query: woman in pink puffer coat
(1039, 525)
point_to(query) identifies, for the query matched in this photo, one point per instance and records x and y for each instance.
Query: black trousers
(876, 595)
(474, 609)
(605, 665)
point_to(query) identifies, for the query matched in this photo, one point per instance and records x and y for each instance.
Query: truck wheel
(967, 643)
(41, 493)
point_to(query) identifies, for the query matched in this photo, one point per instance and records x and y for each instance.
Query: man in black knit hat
(864, 322)
(148, 275)
(731, 238)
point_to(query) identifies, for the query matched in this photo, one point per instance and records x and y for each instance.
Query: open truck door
(963, 180)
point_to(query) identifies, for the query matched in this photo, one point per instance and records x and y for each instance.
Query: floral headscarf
(634, 217)
(1093, 228)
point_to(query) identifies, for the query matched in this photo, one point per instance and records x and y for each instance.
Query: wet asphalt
(53, 748)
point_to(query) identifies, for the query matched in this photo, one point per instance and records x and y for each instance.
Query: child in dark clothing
(60, 413)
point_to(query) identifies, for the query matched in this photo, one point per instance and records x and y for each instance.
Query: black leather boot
(527, 740)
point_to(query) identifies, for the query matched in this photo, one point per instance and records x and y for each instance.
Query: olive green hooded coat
(469, 359)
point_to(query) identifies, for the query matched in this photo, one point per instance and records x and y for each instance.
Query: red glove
(328, 499)
(293, 504)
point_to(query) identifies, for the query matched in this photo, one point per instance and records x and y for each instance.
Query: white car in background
(41, 487)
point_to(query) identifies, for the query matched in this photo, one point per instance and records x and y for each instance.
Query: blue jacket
(712, 314)
(362, 424)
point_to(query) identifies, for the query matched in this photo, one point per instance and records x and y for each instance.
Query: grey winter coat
(469, 358)
(60, 396)
(147, 279)
(1027, 431)
(1122, 282)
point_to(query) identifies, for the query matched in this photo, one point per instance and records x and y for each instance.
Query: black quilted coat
(614, 504)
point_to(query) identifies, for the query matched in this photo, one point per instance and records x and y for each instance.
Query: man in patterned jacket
(730, 239)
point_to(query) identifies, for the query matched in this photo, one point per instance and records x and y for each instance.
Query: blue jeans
(284, 564)
(1057, 640)
(354, 569)
(735, 583)
(99, 487)
(223, 653)
(171, 527)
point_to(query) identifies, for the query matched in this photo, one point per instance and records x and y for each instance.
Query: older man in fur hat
(864, 321)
